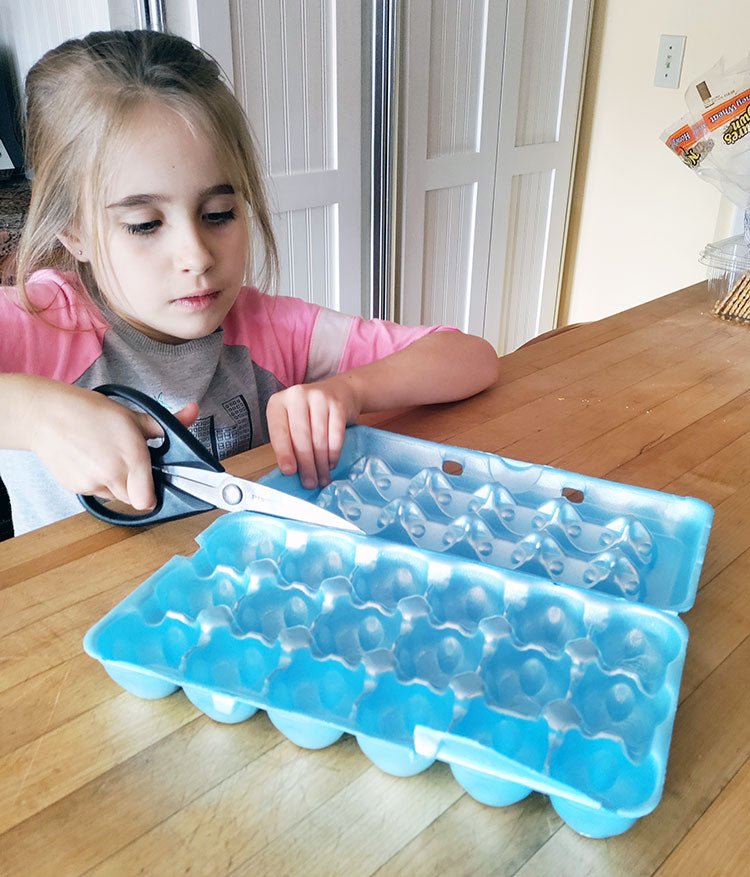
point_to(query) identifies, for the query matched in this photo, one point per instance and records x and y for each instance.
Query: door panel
(543, 71)
(543, 60)
(448, 253)
(30, 28)
(525, 264)
(456, 65)
(452, 72)
(307, 240)
(298, 75)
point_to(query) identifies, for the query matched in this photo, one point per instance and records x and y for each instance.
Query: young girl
(147, 207)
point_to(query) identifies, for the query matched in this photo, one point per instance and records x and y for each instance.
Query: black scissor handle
(180, 447)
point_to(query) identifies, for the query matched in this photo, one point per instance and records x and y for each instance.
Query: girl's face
(175, 243)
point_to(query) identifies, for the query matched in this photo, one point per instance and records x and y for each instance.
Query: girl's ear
(73, 245)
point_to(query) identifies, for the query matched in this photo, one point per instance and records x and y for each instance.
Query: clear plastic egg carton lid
(642, 545)
(517, 683)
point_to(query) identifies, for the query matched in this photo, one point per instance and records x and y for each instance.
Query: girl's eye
(219, 218)
(144, 227)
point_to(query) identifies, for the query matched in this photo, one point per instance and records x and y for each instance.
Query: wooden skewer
(737, 296)
(740, 306)
(736, 303)
(724, 305)
(744, 300)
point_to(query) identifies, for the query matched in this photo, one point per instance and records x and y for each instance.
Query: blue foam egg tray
(487, 619)
(642, 545)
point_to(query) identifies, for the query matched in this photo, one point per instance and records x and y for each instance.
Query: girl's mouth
(198, 301)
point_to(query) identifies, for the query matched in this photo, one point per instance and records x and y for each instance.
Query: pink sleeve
(370, 340)
(61, 342)
(276, 329)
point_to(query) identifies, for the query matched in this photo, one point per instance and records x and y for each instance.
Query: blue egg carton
(513, 620)
(518, 683)
(642, 545)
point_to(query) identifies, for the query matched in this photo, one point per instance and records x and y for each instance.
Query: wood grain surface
(96, 781)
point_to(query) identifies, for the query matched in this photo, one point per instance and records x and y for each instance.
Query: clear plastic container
(728, 264)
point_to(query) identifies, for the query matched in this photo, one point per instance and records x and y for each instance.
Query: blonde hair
(80, 98)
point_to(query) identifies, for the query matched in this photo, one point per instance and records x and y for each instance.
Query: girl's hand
(306, 424)
(93, 445)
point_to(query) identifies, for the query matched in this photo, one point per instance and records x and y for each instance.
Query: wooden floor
(93, 780)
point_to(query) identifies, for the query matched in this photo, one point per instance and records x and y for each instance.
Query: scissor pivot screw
(232, 494)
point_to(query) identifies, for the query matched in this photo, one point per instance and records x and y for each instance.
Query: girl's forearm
(441, 367)
(20, 398)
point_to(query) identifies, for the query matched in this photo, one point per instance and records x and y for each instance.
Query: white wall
(639, 218)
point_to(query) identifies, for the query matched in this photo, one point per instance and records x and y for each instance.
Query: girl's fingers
(189, 414)
(103, 494)
(140, 488)
(134, 483)
(336, 432)
(281, 440)
(118, 490)
(301, 437)
(151, 429)
(320, 415)
(147, 425)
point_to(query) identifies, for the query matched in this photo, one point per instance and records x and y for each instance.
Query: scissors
(188, 479)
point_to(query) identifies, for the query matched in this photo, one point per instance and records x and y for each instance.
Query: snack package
(713, 137)
(687, 139)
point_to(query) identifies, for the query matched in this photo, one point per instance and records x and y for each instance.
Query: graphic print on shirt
(223, 441)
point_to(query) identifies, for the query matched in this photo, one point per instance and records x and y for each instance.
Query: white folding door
(488, 125)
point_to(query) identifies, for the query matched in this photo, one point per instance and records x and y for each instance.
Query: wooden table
(95, 780)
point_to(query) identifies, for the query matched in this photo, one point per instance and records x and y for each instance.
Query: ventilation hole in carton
(572, 494)
(451, 467)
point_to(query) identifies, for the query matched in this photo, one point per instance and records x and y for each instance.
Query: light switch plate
(669, 61)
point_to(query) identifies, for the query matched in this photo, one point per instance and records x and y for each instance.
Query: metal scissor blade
(234, 494)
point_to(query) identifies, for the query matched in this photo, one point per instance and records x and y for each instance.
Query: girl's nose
(193, 254)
